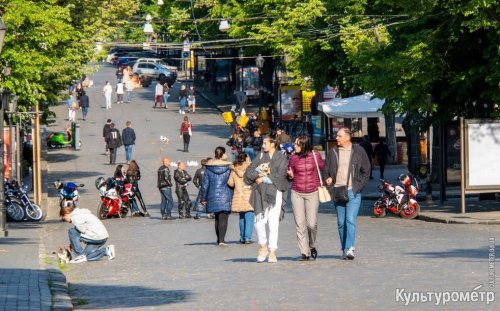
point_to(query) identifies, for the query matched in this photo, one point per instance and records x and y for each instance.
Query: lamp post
(259, 61)
(241, 57)
(5, 96)
(224, 26)
(148, 32)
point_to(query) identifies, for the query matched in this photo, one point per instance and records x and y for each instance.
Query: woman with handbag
(241, 197)
(304, 170)
(185, 132)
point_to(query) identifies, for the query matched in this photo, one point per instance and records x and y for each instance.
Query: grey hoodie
(88, 224)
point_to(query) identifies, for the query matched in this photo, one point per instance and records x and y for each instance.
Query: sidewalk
(478, 212)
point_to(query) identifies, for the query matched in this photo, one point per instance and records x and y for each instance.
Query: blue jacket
(214, 188)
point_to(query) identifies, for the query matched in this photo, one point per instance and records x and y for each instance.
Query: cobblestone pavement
(175, 265)
(23, 285)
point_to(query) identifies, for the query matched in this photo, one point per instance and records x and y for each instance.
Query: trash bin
(75, 129)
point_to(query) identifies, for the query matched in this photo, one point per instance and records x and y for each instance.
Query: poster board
(482, 154)
(291, 102)
(480, 139)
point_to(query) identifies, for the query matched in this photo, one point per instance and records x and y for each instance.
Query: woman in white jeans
(268, 176)
(106, 92)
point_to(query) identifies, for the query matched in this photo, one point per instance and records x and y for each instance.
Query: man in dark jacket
(114, 141)
(181, 178)
(105, 131)
(367, 145)
(198, 177)
(347, 166)
(84, 104)
(128, 137)
(165, 187)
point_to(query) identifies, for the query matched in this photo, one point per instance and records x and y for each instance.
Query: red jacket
(305, 173)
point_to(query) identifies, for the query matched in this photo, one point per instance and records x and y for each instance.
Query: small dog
(64, 254)
(264, 168)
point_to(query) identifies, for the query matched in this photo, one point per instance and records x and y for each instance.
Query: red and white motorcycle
(115, 198)
(398, 199)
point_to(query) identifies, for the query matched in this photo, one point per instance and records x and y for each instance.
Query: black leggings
(221, 226)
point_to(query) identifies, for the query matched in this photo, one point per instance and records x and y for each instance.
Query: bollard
(77, 144)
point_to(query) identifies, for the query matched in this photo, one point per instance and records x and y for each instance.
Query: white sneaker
(350, 253)
(180, 111)
(110, 252)
(79, 259)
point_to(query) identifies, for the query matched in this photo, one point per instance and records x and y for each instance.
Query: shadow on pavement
(112, 296)
(478, 253)
(74, 175)
(60, 157)
(284, 258)
(217, 130)
(16, 241)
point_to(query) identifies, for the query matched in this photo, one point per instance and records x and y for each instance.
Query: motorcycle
(115, 198)
(398, 199)
(68, 193)
(19, 206)
(60, 140)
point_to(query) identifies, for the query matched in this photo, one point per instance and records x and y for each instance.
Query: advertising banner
(291, 102)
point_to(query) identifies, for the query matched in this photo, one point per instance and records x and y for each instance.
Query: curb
(447, 220)
(61, 301)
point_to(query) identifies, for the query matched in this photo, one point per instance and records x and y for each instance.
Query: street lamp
(224, 26)
(259, 61)
(148, 32)
(5, 96)
(241, 57)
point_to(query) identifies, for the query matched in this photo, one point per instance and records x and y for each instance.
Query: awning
(353, 107)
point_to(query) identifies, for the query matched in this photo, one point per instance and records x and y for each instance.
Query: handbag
(190, 131)
(340, 194)
(324, 194)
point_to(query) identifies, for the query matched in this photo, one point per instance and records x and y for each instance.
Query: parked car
(157, 61)
(156, 71)
(116, 52)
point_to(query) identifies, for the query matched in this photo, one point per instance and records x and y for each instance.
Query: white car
(157, 61)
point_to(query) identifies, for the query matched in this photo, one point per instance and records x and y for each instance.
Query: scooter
(68, 193)
(60, 140)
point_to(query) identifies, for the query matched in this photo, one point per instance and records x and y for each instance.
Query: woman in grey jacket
(268, 176)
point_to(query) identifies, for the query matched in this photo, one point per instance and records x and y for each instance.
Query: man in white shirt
(158, 95)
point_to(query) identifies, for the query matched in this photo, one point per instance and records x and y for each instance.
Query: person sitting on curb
(89, 230)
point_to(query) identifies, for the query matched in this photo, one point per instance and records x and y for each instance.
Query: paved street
(175, 265)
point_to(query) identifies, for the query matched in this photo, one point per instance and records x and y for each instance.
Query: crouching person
(88, 230)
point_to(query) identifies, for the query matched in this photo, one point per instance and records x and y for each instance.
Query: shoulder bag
(340, 192)
(324, 194)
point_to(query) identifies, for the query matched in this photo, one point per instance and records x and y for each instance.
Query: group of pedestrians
(114, 140)
(77, 100)
(381, 153)
(257, 191)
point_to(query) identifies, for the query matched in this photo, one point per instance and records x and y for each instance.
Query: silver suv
(157, 61)
(155, 70)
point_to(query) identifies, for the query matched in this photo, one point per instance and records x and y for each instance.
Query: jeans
(112, 155)
(128, 152)
(85, 110)
(165, 99)
(246, 226)
(129, 96)
(346, 220)
(183, 103)
(167, 202)
(250, 152)
(93, 250)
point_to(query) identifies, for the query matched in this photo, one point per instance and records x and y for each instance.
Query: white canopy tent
(353, 107)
